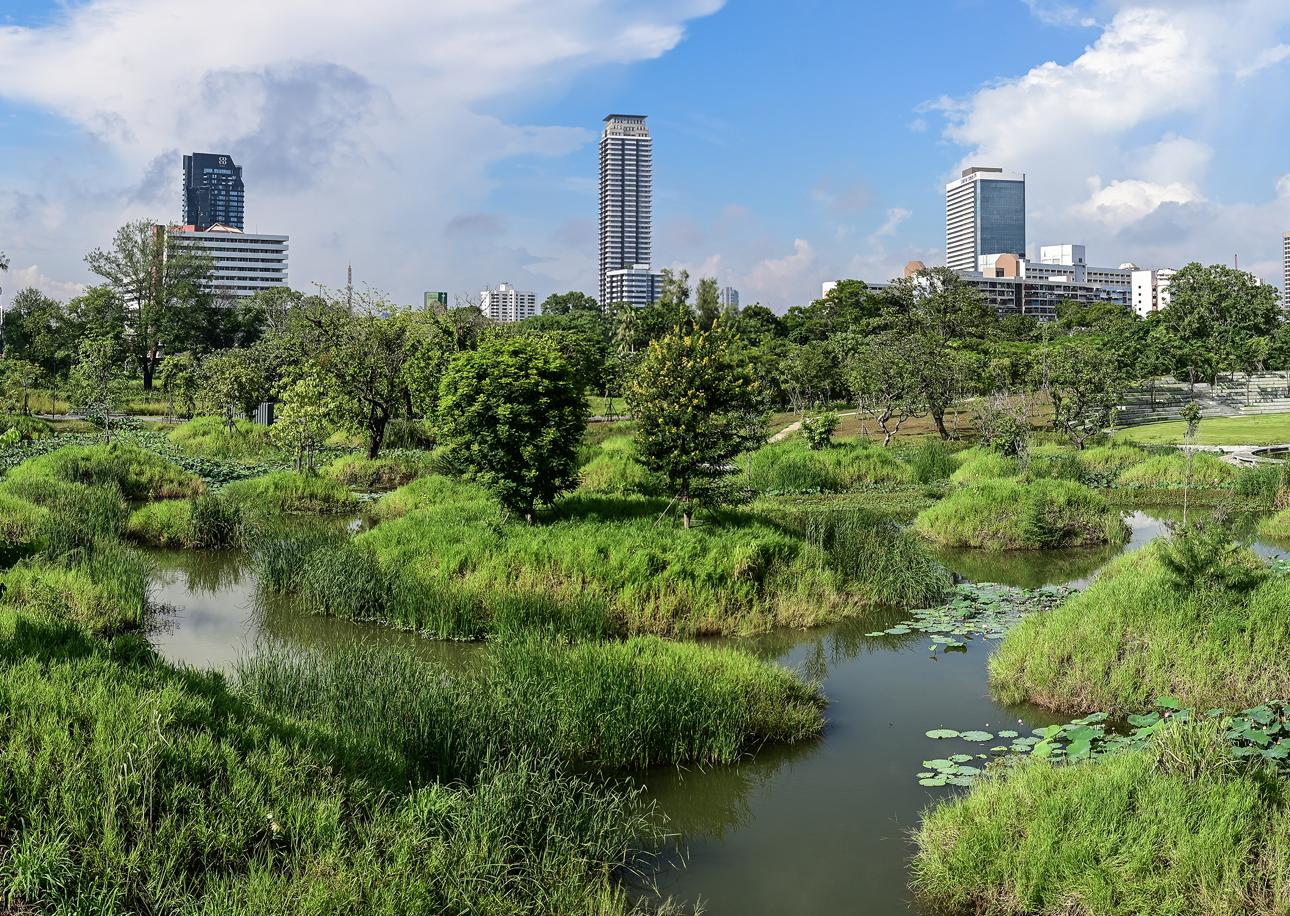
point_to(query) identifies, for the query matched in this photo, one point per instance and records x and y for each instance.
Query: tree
(565, 303)
(674, 296)
(178, 376)
(884, 375)
(39, 329)
(512, 415)
(232, 383)
(707, 303)
(808, 374)
(697, 406)
(848, 306)
(162, 281)
(17, 378)
(1085, 387)
(1213, 312)
(97, 382)
(757, 324)
(306, 410)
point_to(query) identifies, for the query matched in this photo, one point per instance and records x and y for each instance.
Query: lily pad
(942, 733)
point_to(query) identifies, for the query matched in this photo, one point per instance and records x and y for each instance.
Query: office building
(626, 207)
(1285, 265)
(1151, 290)
(729, 298)
(242, 263)
(213, 192)
(637, 285)
(506, 303)
(985, 213)
(436, 299)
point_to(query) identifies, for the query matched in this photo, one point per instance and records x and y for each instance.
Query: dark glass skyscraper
(213, 191)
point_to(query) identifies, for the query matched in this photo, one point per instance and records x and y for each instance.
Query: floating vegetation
(977, 611)
(1259, 734)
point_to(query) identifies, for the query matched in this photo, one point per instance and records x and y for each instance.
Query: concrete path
(794, 427)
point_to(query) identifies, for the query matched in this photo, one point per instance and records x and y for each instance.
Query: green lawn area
(1265, 429)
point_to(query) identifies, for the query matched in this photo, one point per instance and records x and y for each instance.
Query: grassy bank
(211, 438)
(444, 562)
(1137, 633)
(632, 704)
(790, 467)
(1180, 828)
(290, 492)
(173, 794)
(1008, 514)
(205, 522)
(136, 472)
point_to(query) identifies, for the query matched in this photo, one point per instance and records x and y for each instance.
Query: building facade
(626, 203)
(1151, 290)
(985, 213)
(213, 192)
(506, 303)
(729, 298)
(435, 299)
(242, 263)
(636, 285)
(1285, 262)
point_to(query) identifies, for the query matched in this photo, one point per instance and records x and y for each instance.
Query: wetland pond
(820, 828)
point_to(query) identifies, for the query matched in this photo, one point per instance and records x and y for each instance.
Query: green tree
(1214, 312)
(808, 374)
(1085, 386)
(884, 376)
(848, 306)
(697, 406)
(17, 378)
(757, 324)
(707, 303)
(178, 376)
(306, 411)
(163, 281)
(232, 383)
(512, 415)
(565, 303)
(97, 382)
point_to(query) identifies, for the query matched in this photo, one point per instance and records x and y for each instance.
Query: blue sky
(453, 146)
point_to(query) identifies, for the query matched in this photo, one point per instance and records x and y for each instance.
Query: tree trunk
(685, 504)
(149, 367)
(938, 416)
(376, 421)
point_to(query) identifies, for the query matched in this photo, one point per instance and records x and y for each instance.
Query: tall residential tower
(1285, 265)
(626, 207)
(213, 191)
(985, 213)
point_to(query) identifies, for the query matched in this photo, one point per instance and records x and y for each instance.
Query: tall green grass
(210, 522)
(288, 491)
(1170, 472)
(390, 470)
(76, 514)
(1018, 515)
(103, 588)
(137, 473)
(791, 467)
(1134, 834)
(978, 464)
(615, 705)
(614, 470)
(134, 787)
(211, 438)
(1136, 634)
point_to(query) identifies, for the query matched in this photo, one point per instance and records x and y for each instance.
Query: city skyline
(388, 144)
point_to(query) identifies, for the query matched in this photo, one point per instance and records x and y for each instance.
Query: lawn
(1264, 429)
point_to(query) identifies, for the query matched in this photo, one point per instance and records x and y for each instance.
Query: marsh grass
(74, 515)
(978, 464)
(613, 705)
(1022, 515)
(291, 492)
(790, 467)
(933, 461)
(1134, 635)
(1170, 472)
(390, 470)
(136, 472)
(103, 588)
(134, 787)
(210, 522)
(613, 469)
(211, 438)
(1175, 829)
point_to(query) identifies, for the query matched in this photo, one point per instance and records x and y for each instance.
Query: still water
(822, 828)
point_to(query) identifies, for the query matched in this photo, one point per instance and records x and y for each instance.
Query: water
(820, 828)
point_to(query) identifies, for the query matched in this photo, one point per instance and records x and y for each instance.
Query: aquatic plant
(1018, 515)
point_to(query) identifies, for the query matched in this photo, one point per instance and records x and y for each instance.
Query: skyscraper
(626, 207)
(213, 192)
(985, 213)
(1285, 266)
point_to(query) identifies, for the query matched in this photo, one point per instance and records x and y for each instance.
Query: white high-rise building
(506, 303)
(1285, 262)
(626, 209)
(985, 213)
(243, 263)
(729, 297)
(1151, 290)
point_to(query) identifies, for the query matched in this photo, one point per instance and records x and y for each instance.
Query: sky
(452, 144)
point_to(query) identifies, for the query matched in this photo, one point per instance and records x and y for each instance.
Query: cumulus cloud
(1121, 144)
(362, 129)
(1055, 12)
(20, 278)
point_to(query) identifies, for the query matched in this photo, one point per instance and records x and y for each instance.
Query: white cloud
(362, 129)
(1269, 57)
(1127, 147)
(20, 278)
(895, 216)
(1055, 12)
(782, 279)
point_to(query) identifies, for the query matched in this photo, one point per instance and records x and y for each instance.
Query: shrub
(1170, 472)
(977, 464)
(1261, 482)
(1134, 635)
(408, 434)
(288, 491)
(211, 438)
(1061, 466)
(1124, 835)
(21, 428)
(818, 430)
(1011, 515)
(137, 473)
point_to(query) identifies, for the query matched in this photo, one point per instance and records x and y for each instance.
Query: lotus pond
(822, 827)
